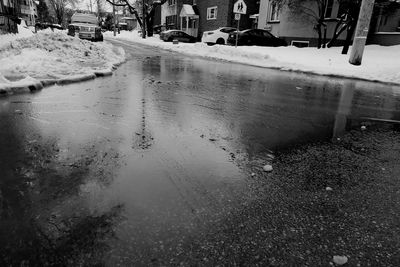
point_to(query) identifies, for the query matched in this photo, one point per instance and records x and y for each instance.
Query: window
(171, 2)
(274, 12)
(212, 13)
(328, 9)
(171, 21)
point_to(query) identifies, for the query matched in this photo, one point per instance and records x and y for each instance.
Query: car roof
(172, 31)
(84, 25)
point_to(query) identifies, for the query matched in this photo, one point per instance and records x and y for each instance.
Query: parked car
(86, 31)
(85, 26)
(170, 35)
(218, 36)
(256, 37)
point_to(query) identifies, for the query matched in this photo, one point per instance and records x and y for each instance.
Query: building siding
(295, 28)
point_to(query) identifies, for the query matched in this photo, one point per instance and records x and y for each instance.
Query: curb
(77, 78)
(8, 89)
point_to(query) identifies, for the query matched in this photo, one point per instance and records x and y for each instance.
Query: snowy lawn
(28, 59)
(380, 63)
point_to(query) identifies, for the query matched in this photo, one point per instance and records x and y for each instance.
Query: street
(138, 168)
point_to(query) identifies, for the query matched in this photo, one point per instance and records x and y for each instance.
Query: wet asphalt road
(129, 169)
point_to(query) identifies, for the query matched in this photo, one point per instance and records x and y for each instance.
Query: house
(296, 27)
(219, 13)
(28, 12)
(9, 11)
(196, 16)
(127, 23)
(180, 14)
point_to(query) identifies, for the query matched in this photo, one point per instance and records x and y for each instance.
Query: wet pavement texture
(131, 169)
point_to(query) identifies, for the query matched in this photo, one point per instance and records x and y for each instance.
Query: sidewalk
(379, 63)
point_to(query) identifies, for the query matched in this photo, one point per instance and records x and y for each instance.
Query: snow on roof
(188, 11)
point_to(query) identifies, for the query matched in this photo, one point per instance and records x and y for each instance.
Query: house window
(171, 21)
(274, 12)
(171, 2)
(328, 9)
(212, 13)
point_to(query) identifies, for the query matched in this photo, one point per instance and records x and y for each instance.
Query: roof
(188, 11)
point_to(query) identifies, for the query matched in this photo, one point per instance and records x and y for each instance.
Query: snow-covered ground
(28, 59)
(380, 63)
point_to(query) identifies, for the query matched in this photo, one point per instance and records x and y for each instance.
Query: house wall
(168, 10)
(292, 27)
(28, 12)
(223, 14)
(9, 10)
(388, 23)
(385, 29)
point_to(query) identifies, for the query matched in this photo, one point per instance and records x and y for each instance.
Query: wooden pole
(360, 37)
(143, 20)
(115, 30)
(237, 31)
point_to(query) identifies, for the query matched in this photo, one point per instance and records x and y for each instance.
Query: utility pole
(143, 20)
(115, 30)
(360, 37)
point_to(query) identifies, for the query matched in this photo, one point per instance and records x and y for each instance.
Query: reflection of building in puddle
(359, 107)
(344, 109)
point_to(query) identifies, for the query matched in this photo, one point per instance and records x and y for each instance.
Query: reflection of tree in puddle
(44, 220)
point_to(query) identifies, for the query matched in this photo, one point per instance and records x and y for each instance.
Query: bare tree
(59, 8)
(149, 9)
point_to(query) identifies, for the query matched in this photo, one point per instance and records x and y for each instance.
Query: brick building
(197, 16)
(219, 13)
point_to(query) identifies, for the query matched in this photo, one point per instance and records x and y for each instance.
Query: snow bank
(30, 60)
(380, 63)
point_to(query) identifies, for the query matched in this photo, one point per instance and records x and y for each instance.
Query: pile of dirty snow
(48, 57)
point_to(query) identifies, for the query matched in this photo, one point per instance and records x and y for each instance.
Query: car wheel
(221, 41)
(170, 39)
(210, 44)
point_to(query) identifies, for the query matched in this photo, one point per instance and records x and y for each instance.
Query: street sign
(240, 7)
(237, 16)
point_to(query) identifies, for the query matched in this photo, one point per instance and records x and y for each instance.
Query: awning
(188, 11)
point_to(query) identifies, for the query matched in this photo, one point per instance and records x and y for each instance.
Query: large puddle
(149, 153)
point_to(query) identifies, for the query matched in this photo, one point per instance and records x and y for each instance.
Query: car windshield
(87, 29)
